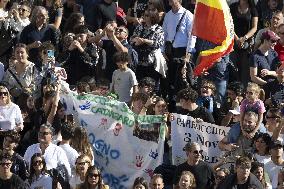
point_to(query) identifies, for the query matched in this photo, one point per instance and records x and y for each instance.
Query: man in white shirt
(67, 134)
(53, 155)
(276, 162)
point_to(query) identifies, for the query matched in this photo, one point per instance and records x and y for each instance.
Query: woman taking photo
(22, 76)
(38, 173)
(10, 113)
(147, 39)
(83, 162)
(93, 179)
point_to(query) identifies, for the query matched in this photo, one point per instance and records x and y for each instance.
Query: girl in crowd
(83, 162)
(93, 179)
(253, 103)
(261, 143)
(258, 170)
(220, 175)
(140, 183)
(187, 180)
(22, 76)
(38, 173)
(10, 113)
(80, 142)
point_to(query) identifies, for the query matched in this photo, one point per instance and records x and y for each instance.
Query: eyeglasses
(38, 162)
(196, 152)
(5, 164)
(82, 163)
(93, 175)
(120, 30)
(249, 93)
(4, 93)
(24, 10)
(44, 133)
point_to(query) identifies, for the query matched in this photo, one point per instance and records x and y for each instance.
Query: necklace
(242, 11)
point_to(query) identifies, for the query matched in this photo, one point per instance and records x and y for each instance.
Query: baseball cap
(270, 35)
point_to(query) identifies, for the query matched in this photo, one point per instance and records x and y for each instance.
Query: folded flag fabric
(213, 22)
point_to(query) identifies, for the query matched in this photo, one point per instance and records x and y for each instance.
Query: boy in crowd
(124, 81)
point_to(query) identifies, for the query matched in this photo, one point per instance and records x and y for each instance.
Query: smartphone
(50, 53)
(70, 118)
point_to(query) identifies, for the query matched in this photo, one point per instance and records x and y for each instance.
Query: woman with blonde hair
(80, 142)
(187, 180)
(83, 162)
(10, 113)
(93, 179)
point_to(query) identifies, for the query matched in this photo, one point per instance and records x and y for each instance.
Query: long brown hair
(80, 142)
(86, 184)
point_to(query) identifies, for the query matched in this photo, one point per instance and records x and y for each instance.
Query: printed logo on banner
(125, 145)
(185, 129)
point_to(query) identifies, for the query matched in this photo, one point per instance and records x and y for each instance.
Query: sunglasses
(91, 175)
(44, 133)
(38, 162)
(5, 164)
(24, 10)
(120, 30)
(196, 152)
(4, 93)
(82, 163)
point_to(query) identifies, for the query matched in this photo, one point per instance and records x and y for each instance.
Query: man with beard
(242, 179)
(236, 141)
(203, 173)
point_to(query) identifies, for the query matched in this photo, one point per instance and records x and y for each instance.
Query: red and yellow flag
(213, 22)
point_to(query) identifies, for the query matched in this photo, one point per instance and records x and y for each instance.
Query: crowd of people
(144, 56)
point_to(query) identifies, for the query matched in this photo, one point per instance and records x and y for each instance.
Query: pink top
(257, 106)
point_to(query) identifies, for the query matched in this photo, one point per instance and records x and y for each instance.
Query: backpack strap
(16, 78)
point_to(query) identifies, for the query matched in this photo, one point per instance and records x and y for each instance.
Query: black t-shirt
(202, 172)
(242, 22)
(104, 12)
(199, 112)
(15, 182)
(260, 61)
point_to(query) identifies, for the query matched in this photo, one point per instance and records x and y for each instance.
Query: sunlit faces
(82, 38)
(93, 177)
(157, 183)
(160, 107)
(82, 165)
(122, 65)
(259, 173)
(251, 94)
(5, 165)
(260, 145)
(24, 11)
(37, 163)
(3, 96)
(277, 19)
(42, 17)
(195, 153)
(243, 172)
(185, 182)
(9, 144)
(44, 135)
(206, 90)
(249, 123)
(21, 54)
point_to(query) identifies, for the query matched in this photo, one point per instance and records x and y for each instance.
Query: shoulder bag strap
(15, 77)
(178, 26)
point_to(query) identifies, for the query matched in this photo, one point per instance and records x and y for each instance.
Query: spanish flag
(213, 22)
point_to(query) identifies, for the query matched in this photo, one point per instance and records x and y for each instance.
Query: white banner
(126, 146)
(185, 129)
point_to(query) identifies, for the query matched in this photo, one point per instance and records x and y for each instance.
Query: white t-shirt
(71, 153)
(10, 116)
(53, 156)
(272, 171)
(262, 159)
(122, 83)
(44, 181)
(75, 181)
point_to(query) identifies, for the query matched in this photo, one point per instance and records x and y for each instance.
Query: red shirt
(280, 51)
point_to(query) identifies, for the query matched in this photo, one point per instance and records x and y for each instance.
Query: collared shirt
(53, 156)
(183, 37)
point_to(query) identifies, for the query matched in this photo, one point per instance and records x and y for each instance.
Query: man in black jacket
(242, 178)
